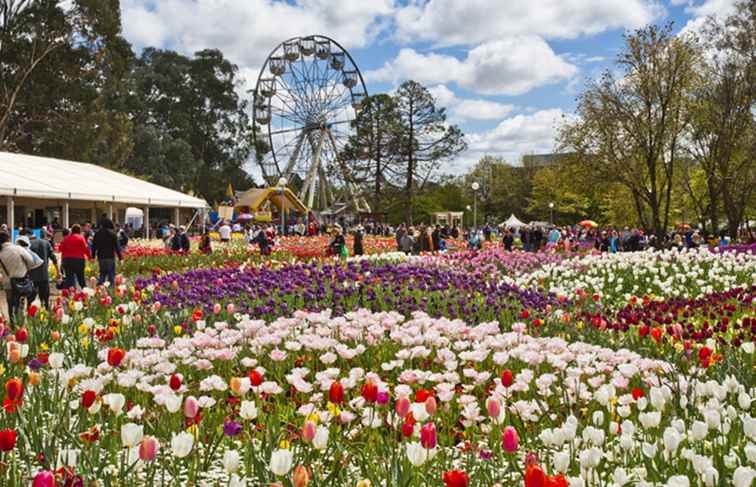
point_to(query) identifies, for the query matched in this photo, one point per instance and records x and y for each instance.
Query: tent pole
(66, 212)
(146, 223)
(177, 216)
(11, 210)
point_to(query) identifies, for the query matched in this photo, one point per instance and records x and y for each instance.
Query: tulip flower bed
(616, 278)
(367, 399)
(271, 292)
(456, 370)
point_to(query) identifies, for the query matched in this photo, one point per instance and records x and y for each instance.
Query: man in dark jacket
(105, 250)
(41, 275)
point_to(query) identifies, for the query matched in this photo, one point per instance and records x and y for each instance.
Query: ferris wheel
(307, 95)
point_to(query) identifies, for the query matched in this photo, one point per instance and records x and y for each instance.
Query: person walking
(74, 252)
(106, 249)
(225, 232)
(41, 275)
(358, 235)
(15, 264)
(205, 245)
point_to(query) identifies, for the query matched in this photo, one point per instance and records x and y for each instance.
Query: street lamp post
(282, 186)
(551, 213)
(475, 188)
(468, 208)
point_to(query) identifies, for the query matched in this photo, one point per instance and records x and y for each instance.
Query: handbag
(22, 286)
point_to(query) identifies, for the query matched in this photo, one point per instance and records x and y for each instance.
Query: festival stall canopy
(36, 177)
(513, 222)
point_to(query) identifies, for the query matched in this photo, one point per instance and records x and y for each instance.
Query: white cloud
(454, 22)
(461, 109)
(247, 30)
(511, 66)
(512, 138)
(700, 11)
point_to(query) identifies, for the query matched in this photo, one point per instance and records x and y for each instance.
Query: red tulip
(456, 478)
(22, 335)
(506, 378)
(408, 429)
(7, 440)
(148, 448)
(402, 407)
(336, 393)
(44, 479)
(255, 378)
(115, 356)
(88, 398)
(422, 395)
(14, 389)
(175, 382)
(637, 393)
(370, 392)
(557, 481)
(534, 476)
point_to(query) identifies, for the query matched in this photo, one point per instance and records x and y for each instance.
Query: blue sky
(506, 70)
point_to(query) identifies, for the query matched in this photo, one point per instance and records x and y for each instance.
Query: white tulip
(248, 410)
(678, 481)
(68, 457)
(650, 420)
(713, 419)
(417, 455)
(743, 476)
(115, 401)
(56, 360)
(235, 481)
(748, 347)
(744, 400)
(598, 418)
(620, 476)
(624, 411)
(181, 444)
(679, 425)
(131, 434)
(561, 461)
(320, 441)
(710, 477)
(749, 426)
(590, 458)
(672, 439)
(750, 451)
(231, 461)
(657, 398)
(419, 412)
(281, 461)
(698, 431)
(626, 442)
(649, 449)
(173, 403)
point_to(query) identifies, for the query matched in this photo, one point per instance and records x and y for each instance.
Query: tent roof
(513, 222)
(255, 197)
(46, 178)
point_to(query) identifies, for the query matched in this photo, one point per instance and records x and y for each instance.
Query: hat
(23, 239)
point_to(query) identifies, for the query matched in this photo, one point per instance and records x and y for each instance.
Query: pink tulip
(510, 441)
(230, 308)
(148, 448)
(494, 407)
(216, 308)
(402, 407)
(428, 436)
(44, 479)
(382, 397)
(308, 431)
(431, 405)
(59, 314)
(191, 407)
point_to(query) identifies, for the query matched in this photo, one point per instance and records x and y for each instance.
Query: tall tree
(192, 126)
(62, 65)
(373, 149)
(630, 129)
(426, 139)
(723, 123)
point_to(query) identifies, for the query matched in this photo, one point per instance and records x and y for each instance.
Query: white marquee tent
(45, 183)
(513, 222)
